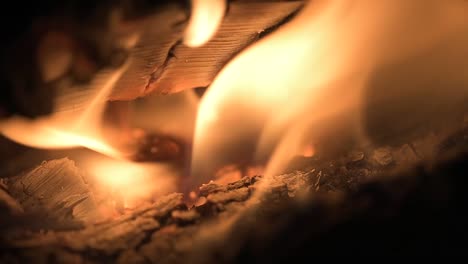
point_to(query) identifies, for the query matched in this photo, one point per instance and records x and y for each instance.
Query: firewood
(56, 194)
(353, 204)
(8, 205)
(70, 49)
(162, 64)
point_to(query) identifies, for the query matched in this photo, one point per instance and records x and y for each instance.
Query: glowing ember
(309, 151)
(131, 182)
(156, 147)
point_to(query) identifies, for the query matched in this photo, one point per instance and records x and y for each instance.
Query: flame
(77, 127)
(119, 182)
(205, 19)
(280, 97)
(308, 80)
(78, 121)
(43, 135)
(122, 183)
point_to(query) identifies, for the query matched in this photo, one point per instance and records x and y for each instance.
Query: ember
(154, 147)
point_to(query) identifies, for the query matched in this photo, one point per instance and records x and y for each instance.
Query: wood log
(70, 48)
(362, 203)
(162, 64)
(8, 205)
(56, 194)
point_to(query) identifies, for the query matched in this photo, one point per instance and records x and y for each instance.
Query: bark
(367, 202)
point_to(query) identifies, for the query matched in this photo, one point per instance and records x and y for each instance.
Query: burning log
(67, 53)
(379, 199)
(357, 204)
(159, 61)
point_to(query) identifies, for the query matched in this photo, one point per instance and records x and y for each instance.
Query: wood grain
(162, 64)
(56, 193)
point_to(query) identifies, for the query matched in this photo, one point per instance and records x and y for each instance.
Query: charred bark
(367, 202)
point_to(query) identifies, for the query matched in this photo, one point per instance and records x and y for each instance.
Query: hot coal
(158, 147)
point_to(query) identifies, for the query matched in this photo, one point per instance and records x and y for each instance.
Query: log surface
(162, 64)
(361, 203)
(56, 194)
(62, 52)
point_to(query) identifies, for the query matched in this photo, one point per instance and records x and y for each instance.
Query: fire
(75, 127)
(206, 16)
(309, 81)
(44, 135)
(115, 177)
(311, 78)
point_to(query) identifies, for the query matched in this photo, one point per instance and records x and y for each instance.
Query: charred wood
(364, 203)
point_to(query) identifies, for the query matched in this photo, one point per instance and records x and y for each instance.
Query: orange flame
(300, 84)
(205, 19)
(83, 126)
(68, 128)
(289, 91)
